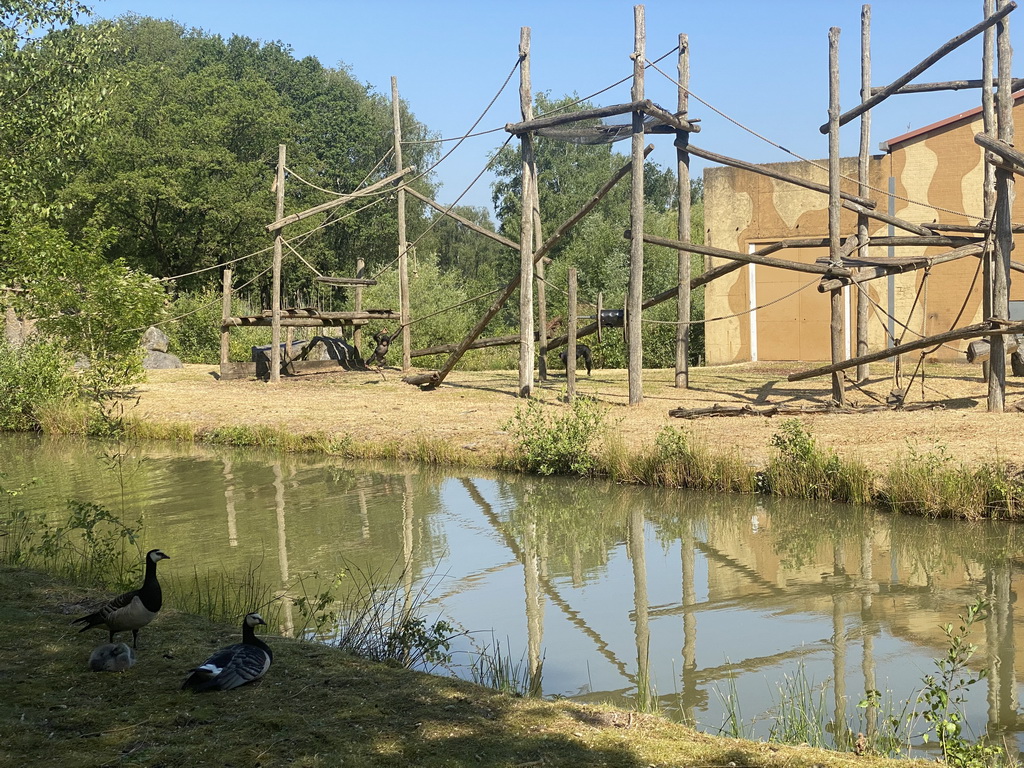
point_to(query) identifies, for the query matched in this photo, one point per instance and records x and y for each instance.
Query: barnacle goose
(132, 610)
(235, 665)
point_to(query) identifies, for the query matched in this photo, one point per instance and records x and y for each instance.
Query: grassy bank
(316, 707)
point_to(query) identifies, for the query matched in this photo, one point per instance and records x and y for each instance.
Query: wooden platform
(311, 318)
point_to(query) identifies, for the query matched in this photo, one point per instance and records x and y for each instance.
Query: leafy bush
(801, 469)
(550, 442)
(195, 332)
(32, 377)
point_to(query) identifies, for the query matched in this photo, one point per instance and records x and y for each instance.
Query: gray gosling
(111, 657)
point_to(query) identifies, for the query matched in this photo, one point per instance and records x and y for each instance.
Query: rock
(154, 359)
(155, 340)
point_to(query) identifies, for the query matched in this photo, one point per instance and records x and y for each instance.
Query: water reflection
(618, 593)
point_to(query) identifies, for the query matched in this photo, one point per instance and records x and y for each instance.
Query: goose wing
(229, 668)
(112, 609)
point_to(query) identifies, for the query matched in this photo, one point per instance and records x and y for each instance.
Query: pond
(704, 607)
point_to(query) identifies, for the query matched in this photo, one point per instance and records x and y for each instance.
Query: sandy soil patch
(469, 409)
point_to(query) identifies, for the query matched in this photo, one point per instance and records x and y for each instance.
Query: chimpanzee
(582, 350)
(383, 340)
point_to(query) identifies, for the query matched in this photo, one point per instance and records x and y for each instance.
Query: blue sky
(765, 64)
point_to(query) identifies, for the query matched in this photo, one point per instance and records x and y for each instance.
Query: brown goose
(132, 610)
(235, 665)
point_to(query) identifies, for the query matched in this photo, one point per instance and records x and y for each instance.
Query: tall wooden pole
(542, 294)
(684, 298)
(988, 111)
(1003, 222)
(225, 333)
(836, 327)
(634, 298)
(403, 245)
(526, 344)
(863, 189)
(275, 298)
(357, 333)
(570, 350)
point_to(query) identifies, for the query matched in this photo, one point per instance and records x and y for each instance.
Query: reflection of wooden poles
(902, 80)
(967, 332)
(434, 378)
(642, 629)
(841, 733)
(683, 300)
(407, 543)
(635, 288)
(229, 503)
(687, 547)
(868, 625)
(534, 603)
(282, 543)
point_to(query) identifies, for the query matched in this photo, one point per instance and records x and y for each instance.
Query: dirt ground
(469, 408)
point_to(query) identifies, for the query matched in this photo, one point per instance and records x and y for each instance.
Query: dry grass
(467, 412)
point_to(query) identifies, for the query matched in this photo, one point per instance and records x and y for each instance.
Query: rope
(215, 266)
(455, 306)
(315, 270)
(737, 314)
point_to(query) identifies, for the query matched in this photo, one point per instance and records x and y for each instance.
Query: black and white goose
(235, 665)
(132, 610)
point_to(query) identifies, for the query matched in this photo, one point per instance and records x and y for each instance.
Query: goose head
(155, 556)
(252, 619)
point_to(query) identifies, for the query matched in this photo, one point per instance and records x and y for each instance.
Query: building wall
(941, 167)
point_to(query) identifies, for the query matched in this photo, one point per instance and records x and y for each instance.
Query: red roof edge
(886, 146)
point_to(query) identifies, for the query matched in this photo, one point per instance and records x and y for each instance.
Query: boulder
(157, 359)
(155, 340)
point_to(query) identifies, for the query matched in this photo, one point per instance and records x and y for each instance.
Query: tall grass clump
(801, 469)
(495, 667)
(678, 460)
(93, 546)
(556, 440)
(378, 617)
(225, 597)
(935, 485)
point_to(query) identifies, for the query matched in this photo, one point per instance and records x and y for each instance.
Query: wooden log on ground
(916, 70)
(789, 410)
(988, 328)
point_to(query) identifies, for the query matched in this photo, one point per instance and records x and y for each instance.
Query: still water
(612, 589)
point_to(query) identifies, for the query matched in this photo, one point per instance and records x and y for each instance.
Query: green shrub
(33, 377)
(554, 440)
(801, 469)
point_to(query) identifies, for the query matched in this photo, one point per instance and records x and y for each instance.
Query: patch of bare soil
(469, 408)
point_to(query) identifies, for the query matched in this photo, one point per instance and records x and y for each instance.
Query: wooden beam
(746, 258)
(446, 210)
(292, 322)
(646, 106)
(968, 332)
(868, 273)
(773, 174)
(916, 70)
(949, 85)
(330, 280)
(635, 286)
(341, 200)
(1012, 158)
